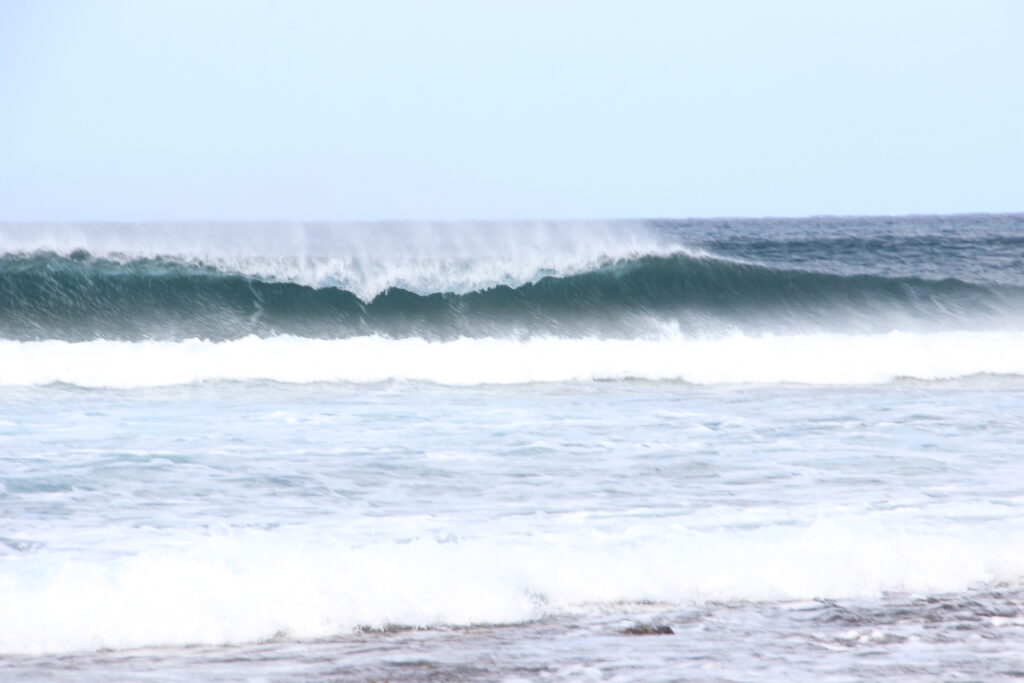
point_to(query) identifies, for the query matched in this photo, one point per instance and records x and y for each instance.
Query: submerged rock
(647, 630)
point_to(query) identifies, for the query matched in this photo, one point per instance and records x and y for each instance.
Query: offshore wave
(737, 359)
(364, 259)
(79, 296)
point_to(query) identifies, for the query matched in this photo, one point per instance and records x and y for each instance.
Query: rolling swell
(79, 297)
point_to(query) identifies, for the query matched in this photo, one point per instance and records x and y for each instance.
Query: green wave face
(78, 297)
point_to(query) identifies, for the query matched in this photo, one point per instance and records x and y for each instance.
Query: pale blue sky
(468, 109)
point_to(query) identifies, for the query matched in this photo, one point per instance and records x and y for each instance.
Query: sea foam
(736, 359)
(255, 585)
(363, 258)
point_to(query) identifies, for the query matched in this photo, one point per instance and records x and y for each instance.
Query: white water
(804, 359)
(363, 258)
(249, 586)
(376, 481)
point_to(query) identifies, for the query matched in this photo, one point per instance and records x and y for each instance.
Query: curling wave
(363, 259)
(78, 297)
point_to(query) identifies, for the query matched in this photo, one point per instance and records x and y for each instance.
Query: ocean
(651, 450)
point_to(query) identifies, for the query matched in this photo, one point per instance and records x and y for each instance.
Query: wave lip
(364, 259)
(737, 359)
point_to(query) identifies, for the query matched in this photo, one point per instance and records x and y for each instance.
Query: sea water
(640, 450)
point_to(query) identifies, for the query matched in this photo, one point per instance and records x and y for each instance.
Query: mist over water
(440, 282)
(793, 442)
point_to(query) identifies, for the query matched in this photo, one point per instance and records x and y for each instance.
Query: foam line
(806, 359)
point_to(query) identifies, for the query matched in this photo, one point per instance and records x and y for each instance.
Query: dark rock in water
(388, 629)
(647, 630)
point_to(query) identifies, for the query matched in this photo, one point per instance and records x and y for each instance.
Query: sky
(358, 110)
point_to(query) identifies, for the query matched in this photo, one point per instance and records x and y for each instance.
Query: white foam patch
(256, 585)
(807, 359)
(365, 259)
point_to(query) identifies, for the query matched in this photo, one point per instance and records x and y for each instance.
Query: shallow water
(190, 515)
(967, 636)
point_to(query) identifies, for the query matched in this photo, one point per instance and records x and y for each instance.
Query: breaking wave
(246, 587)
(81, 297)
(151, 305)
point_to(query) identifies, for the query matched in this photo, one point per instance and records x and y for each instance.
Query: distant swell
(78, 297)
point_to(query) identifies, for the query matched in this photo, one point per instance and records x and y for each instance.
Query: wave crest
(364, 259)
(80, 297)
